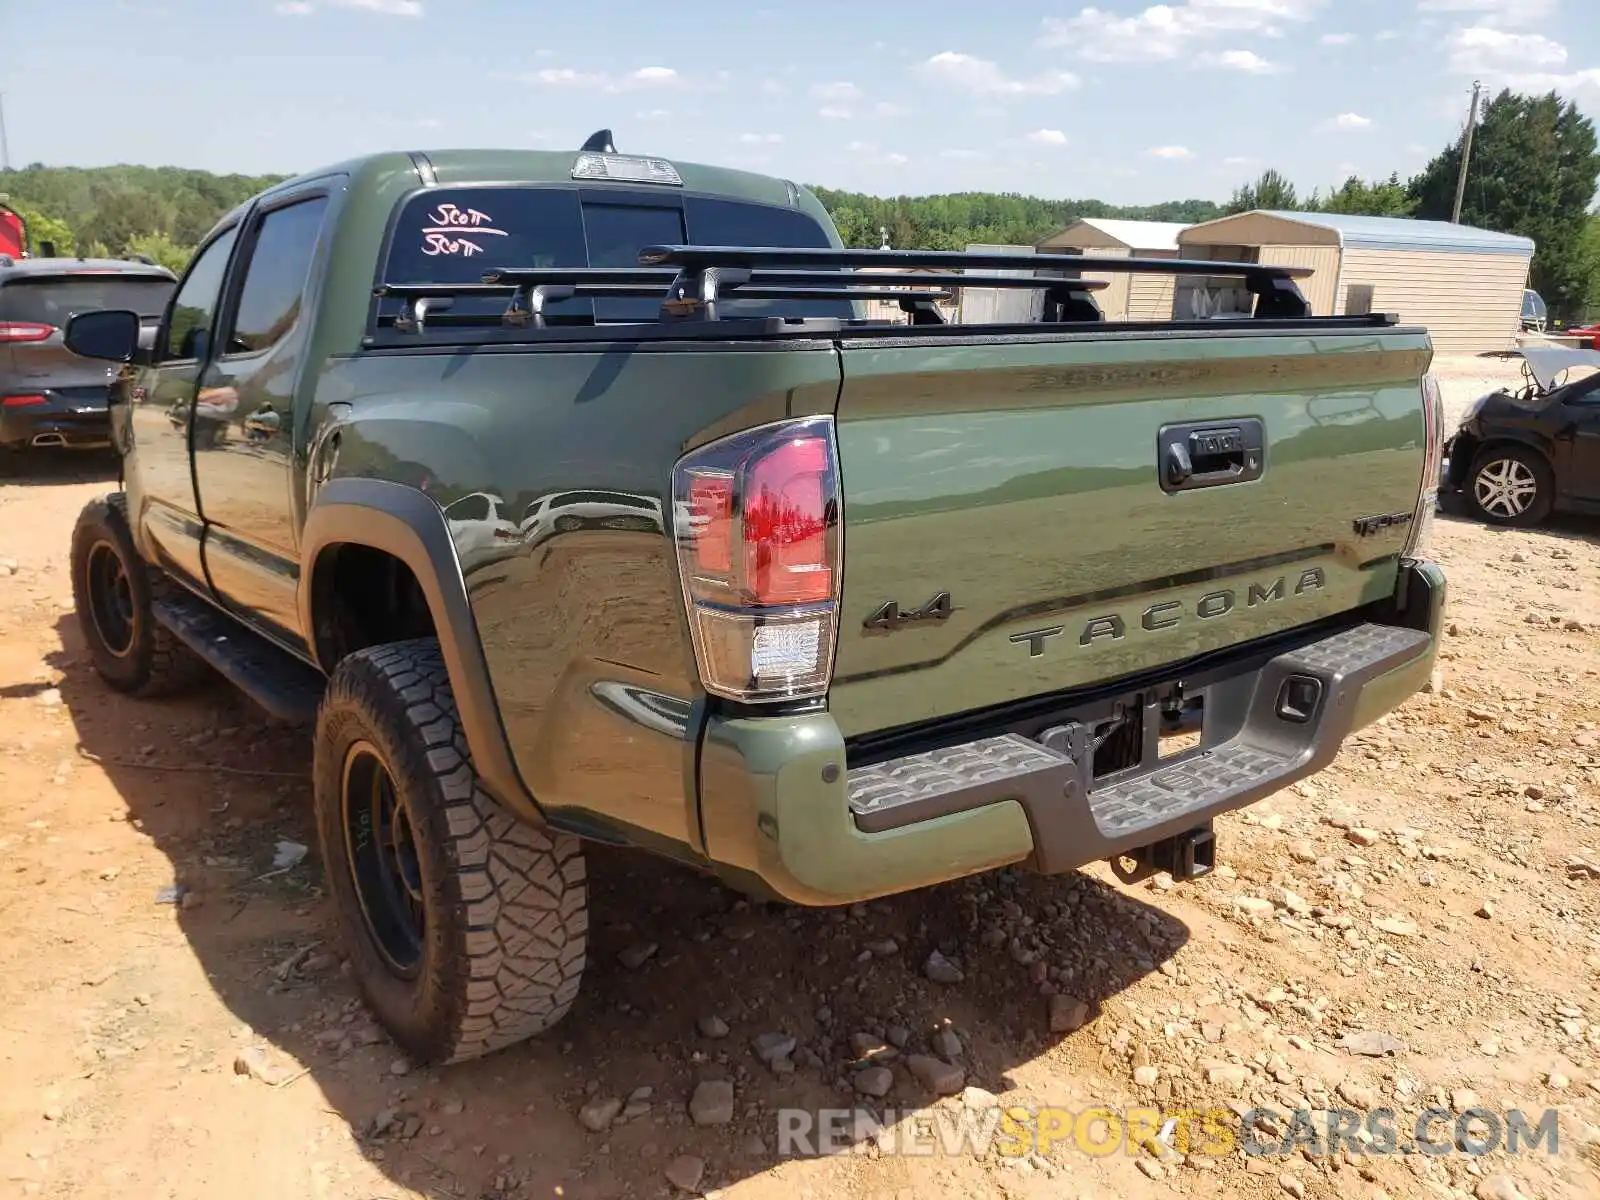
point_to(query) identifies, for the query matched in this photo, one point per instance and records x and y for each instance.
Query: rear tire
(113, 590)
(467, 928)
(1511, 485)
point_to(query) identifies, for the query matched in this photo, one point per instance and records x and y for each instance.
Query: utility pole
(5, 146)
(1466, 154)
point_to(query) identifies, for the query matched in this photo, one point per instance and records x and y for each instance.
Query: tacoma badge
(889, 617)
(1367, 526)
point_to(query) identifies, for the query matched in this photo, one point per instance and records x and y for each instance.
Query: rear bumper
(59, 421)
(781, 813)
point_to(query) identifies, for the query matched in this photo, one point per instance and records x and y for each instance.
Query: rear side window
(275, 281)
(454, 235)
(55, 299)
(469, 508)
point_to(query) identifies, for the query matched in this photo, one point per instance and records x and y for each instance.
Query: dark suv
(50, 396)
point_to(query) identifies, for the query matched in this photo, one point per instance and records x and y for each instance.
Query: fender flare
(1527, 441)
(406, 523)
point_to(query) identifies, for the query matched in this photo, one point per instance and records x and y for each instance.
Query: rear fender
(407, 523)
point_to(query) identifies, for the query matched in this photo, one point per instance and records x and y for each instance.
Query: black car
(50, 396)
(1521, 454)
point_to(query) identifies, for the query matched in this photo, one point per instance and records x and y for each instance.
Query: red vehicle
(13, 233)
(1588, 336)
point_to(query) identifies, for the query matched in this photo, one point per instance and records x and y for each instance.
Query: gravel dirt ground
(175, 1020)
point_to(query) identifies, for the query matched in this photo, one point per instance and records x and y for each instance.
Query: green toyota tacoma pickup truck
(574, 497)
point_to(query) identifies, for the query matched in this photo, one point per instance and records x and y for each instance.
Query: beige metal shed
(1464, 284)
(1128, 297)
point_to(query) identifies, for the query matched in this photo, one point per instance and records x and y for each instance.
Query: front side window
(196, 302)
(275, 281)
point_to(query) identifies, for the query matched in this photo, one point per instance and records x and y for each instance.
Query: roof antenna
(599, 143)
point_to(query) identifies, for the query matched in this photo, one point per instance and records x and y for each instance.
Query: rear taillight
(24, 331)
(21, 401)
(1420, 537)
(756, 517)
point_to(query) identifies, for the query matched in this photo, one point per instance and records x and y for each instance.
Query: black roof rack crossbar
(756, 257)
(503, 277)
(528, 303)
(703, 270)
(529, 290)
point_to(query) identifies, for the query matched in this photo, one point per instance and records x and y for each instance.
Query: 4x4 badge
(889, 617)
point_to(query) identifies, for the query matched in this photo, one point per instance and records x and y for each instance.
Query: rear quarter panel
(583, 630)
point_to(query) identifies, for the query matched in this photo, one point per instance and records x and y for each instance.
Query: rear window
(53, 300)
(454, 235)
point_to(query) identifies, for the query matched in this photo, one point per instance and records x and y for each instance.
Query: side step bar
(276, 680)
(1273, 726)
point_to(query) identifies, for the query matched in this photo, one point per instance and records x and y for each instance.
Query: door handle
(1210, 454)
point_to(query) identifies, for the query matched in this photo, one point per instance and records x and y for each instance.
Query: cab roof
(467, 166)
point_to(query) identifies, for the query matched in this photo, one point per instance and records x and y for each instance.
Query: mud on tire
(113, 589)
(487, 942)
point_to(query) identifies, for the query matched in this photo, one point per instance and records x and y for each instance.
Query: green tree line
(1533, 172)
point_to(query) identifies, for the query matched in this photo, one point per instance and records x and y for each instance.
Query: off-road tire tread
(515, 895)
(170, 668)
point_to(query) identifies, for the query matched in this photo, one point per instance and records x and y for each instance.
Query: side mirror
(111, 334)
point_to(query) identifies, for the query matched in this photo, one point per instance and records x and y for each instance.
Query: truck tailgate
(1023, 479)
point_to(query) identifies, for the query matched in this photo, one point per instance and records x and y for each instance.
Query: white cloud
(1524, 62)
(1164, 32)
(834, 112)
(981, 77)
(655, 76)
(566, 77)
(1047, 137)
(1494, 12)
(1346, 123)
(840, 92)
(652, 114)
(1486, 51)
(862, 147)
(1247, 61)
(1586, 81)
(1387, 35)
(1239, 160)
(1337, 39)
(761, 139)
(1171, 153)
(388, 8)
(887, 108)
(771, 87)
(385, 8)
(896, 160)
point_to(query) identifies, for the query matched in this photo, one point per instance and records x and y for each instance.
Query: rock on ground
(712, 1102)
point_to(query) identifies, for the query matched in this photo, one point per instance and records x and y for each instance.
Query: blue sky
(1121, 101)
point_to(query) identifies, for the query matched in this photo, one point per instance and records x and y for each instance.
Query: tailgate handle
(1210, 455)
